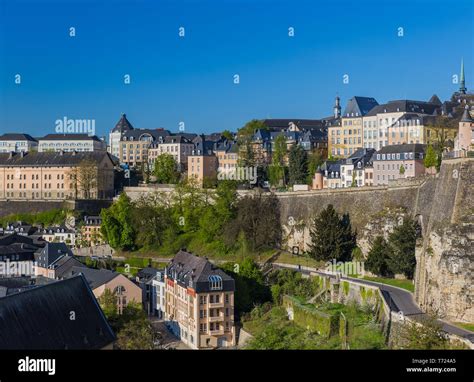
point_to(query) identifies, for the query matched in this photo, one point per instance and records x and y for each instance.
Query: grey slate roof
(194, 272)
(156, 134)
(466, 116)
(50, 253)
(95, 277)
(40, 318)
(302, 124)
(122, 125)
(69, 137)
(359, 106)
(420, 107)
(16, 137)
(405, 148)
(51, 158)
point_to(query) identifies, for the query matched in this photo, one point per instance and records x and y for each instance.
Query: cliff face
(445, 258)
(444, 207)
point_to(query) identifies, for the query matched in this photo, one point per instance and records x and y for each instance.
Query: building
(398, 162)
(328, 175)
(134, 145)
(199, 302)
(48, 255)
(20, 228)
(227, 157)
(100, 280)
(56, 175)
(13, 142)
(346, 138)
(202, 163)
(59, 234)
(357, 170)
(71, 142)
(178, 146)
(17, 255)
(90, 232)
(398, 122)
(465, 138)
(122, 126)
(61, 315)
(152, 283)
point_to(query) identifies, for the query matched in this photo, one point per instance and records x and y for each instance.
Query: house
(61, 315)
(357, 171)
(345, 138)
(178, 146)
(59, 234)
(465, 138)
(102, 279)
(17, 255)
(398, 161)
(135, 143)
(71, 142)
(199, 302)
(19, 227)
(202, 162)
(122, 126)
(227, 157)
(56, 175)
(328, 175)
(47, 255)
(90, 231)
(152, 283)
(14, 142)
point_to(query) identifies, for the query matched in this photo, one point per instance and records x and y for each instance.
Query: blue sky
(190, 79)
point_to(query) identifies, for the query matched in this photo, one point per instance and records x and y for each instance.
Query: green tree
(117, 224)
(427, 336)
(402, 170)
(402, 242)
(244, 141)
(298, 165)
(331, 236)
(378, 257)
(227, 134)
(277, 168)
(315, 160)
(430, 157)
(165, 169)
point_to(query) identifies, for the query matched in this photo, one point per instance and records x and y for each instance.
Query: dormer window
(215, 282)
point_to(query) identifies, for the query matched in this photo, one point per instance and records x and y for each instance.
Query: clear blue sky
(191, 79)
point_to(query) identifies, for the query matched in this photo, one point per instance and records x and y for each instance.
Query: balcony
(216, 318)
(218, 332)
(219, 304)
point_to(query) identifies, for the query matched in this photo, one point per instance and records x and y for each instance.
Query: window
(215, 282)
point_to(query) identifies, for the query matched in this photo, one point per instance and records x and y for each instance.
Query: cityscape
(349, 227)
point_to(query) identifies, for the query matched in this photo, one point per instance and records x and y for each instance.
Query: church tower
(337, 108)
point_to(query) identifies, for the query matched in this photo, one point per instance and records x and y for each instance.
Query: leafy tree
(84, 178)
(277, 168)
(427, 336)
(402, 242)
(298, 165)
(430, 157)
(332, 236)
(117, 224)
(258, 218)
(402, 170)
(165, 169)
(227, 134)
(378, 257)
(244, 140)
(189, 204)
(315, 160)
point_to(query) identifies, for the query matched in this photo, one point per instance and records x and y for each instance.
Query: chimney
(11, 155)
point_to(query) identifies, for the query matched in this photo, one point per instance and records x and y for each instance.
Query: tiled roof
(122, 125)
(405, 148)
(40, 318)
(95, 277)
(404, 106)
(359, 106)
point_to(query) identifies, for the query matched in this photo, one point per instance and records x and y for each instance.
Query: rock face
(445, 259)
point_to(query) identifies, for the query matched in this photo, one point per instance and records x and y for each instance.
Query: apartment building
(56, 176)
(397, 122)
(328, 175)
(122, 126)
(134, 145)
(178, 146)
(398, 162)
(13, 142)
(345, 139)
(227, 157)
(70, 142)
(90, 231)
(357, 170)
(59, 234)
(202, 163)
(199, 302)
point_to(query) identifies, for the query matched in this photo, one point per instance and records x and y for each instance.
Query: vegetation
(46, 218)
(377, 259)
(427, 336)
(165, 169)
(315, 160)
(132, 327)
(298, 165)
(431, 158)
(277, 170)
(404, 284)
(332, 236)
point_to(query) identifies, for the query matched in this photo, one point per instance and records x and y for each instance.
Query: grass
(464, 325)
(404, 284)
(304, 261)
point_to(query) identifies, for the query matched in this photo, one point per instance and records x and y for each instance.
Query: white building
(59, 234)
(70, 142)
(122, 126)
(357, 170)
(13, 142)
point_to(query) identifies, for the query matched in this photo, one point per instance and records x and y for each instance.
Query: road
(399, 300)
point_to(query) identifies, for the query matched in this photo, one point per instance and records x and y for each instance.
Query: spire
(466, 117)
(462, 87)
(337, 108)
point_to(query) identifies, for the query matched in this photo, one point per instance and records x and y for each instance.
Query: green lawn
(404, 284)
(466, 326)
(288, 258)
